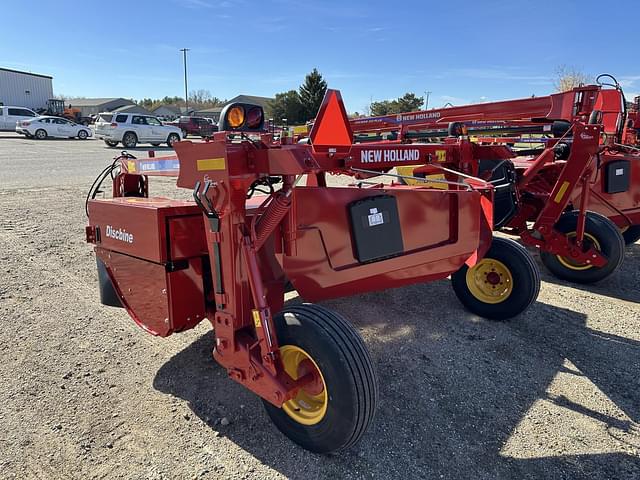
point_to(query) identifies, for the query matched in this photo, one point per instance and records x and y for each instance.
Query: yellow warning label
(441, 155)
(131, 166)
(211, 164)
(561, 192)
(256, 318)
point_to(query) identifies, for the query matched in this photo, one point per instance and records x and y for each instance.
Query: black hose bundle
(108, 170)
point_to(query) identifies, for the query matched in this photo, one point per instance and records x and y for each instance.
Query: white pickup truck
(10, 115)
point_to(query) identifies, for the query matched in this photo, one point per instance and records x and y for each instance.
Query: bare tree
(567, 77)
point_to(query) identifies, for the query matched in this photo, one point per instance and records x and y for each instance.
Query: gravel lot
(554, 394)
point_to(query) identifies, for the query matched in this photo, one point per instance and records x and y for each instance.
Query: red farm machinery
(566, 195)
(230, 255)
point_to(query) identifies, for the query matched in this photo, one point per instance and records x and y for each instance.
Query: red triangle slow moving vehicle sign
(331, 130)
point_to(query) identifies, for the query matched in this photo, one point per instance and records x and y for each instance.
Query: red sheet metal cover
(155, 229)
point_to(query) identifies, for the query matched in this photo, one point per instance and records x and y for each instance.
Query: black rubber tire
(41, 134)
(631, 235)
(604, 231)
(111, 143)
(129, 140)
(83, 135)
(348, 371)
(526, 282)
(172, 138)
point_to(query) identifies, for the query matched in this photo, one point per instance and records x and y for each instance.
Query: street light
(426, 102)
(186, 95)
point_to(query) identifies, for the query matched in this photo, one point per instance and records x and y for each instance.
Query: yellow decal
(437, 176)
(441, 155)
(256, 318)
(561, 192)
(131, 166)
(211, 164)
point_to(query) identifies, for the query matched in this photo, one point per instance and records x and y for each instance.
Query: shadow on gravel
(453, 392)
(623, 284)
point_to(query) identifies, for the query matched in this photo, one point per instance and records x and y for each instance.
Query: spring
(271, 218)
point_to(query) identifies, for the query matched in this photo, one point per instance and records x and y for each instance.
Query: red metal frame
(541, 177)
(229, 258)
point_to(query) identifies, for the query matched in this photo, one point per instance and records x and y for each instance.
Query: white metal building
(24, 89)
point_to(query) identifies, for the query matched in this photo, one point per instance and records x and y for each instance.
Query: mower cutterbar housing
(155, 253)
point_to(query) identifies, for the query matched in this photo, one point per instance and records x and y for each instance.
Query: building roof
(95, 102)
(25, 73)
(173, 108)
(210, 110)
(251, 99)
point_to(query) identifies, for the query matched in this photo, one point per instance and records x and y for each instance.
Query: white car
(134, 128)
(10, 115)
(43, 127)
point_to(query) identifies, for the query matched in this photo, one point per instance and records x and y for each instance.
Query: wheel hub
(588, 242)
(490, 281)
(309, 405)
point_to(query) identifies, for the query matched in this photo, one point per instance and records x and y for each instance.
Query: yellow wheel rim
(572, 265)
(309, 406)
(490, 281)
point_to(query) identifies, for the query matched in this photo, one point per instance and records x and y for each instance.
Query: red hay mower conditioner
(229, 257)
(555, 197)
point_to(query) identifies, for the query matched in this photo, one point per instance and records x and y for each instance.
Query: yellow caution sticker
(211, 164)
(441, 155)
(131, 166)
(256, 318)
(561, 192)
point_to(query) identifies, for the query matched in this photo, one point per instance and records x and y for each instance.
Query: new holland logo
(119, 234)
(396, 155)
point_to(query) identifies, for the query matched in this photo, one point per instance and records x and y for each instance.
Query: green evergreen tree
(311, 94)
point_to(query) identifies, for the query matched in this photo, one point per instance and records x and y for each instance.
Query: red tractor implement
(564, 188)
(230, 255)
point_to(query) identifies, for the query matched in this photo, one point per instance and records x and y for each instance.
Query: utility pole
(186, 95)
(426, 101)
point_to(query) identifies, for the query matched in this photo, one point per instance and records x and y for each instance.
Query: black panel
(375, 226)
(502, 174)
(617, 176)
(108, 295)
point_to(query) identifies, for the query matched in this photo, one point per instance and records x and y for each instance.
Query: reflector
(331, 129)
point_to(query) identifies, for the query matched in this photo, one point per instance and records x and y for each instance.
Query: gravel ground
(86, 394)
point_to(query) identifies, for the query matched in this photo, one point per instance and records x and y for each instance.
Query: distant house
(92, 106)
(262, 101)
(132, 109)
(167, 112)
(214, 113)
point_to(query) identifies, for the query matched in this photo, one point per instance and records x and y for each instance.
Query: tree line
(198, 100)
(301, 105)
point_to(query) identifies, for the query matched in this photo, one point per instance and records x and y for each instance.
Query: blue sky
(462, 51)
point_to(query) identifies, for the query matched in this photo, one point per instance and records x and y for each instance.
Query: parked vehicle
(200, 126)
(57, 108)
(133, 128)
(10, 115)
(49, 126)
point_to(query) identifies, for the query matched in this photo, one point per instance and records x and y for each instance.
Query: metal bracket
(204, 202)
